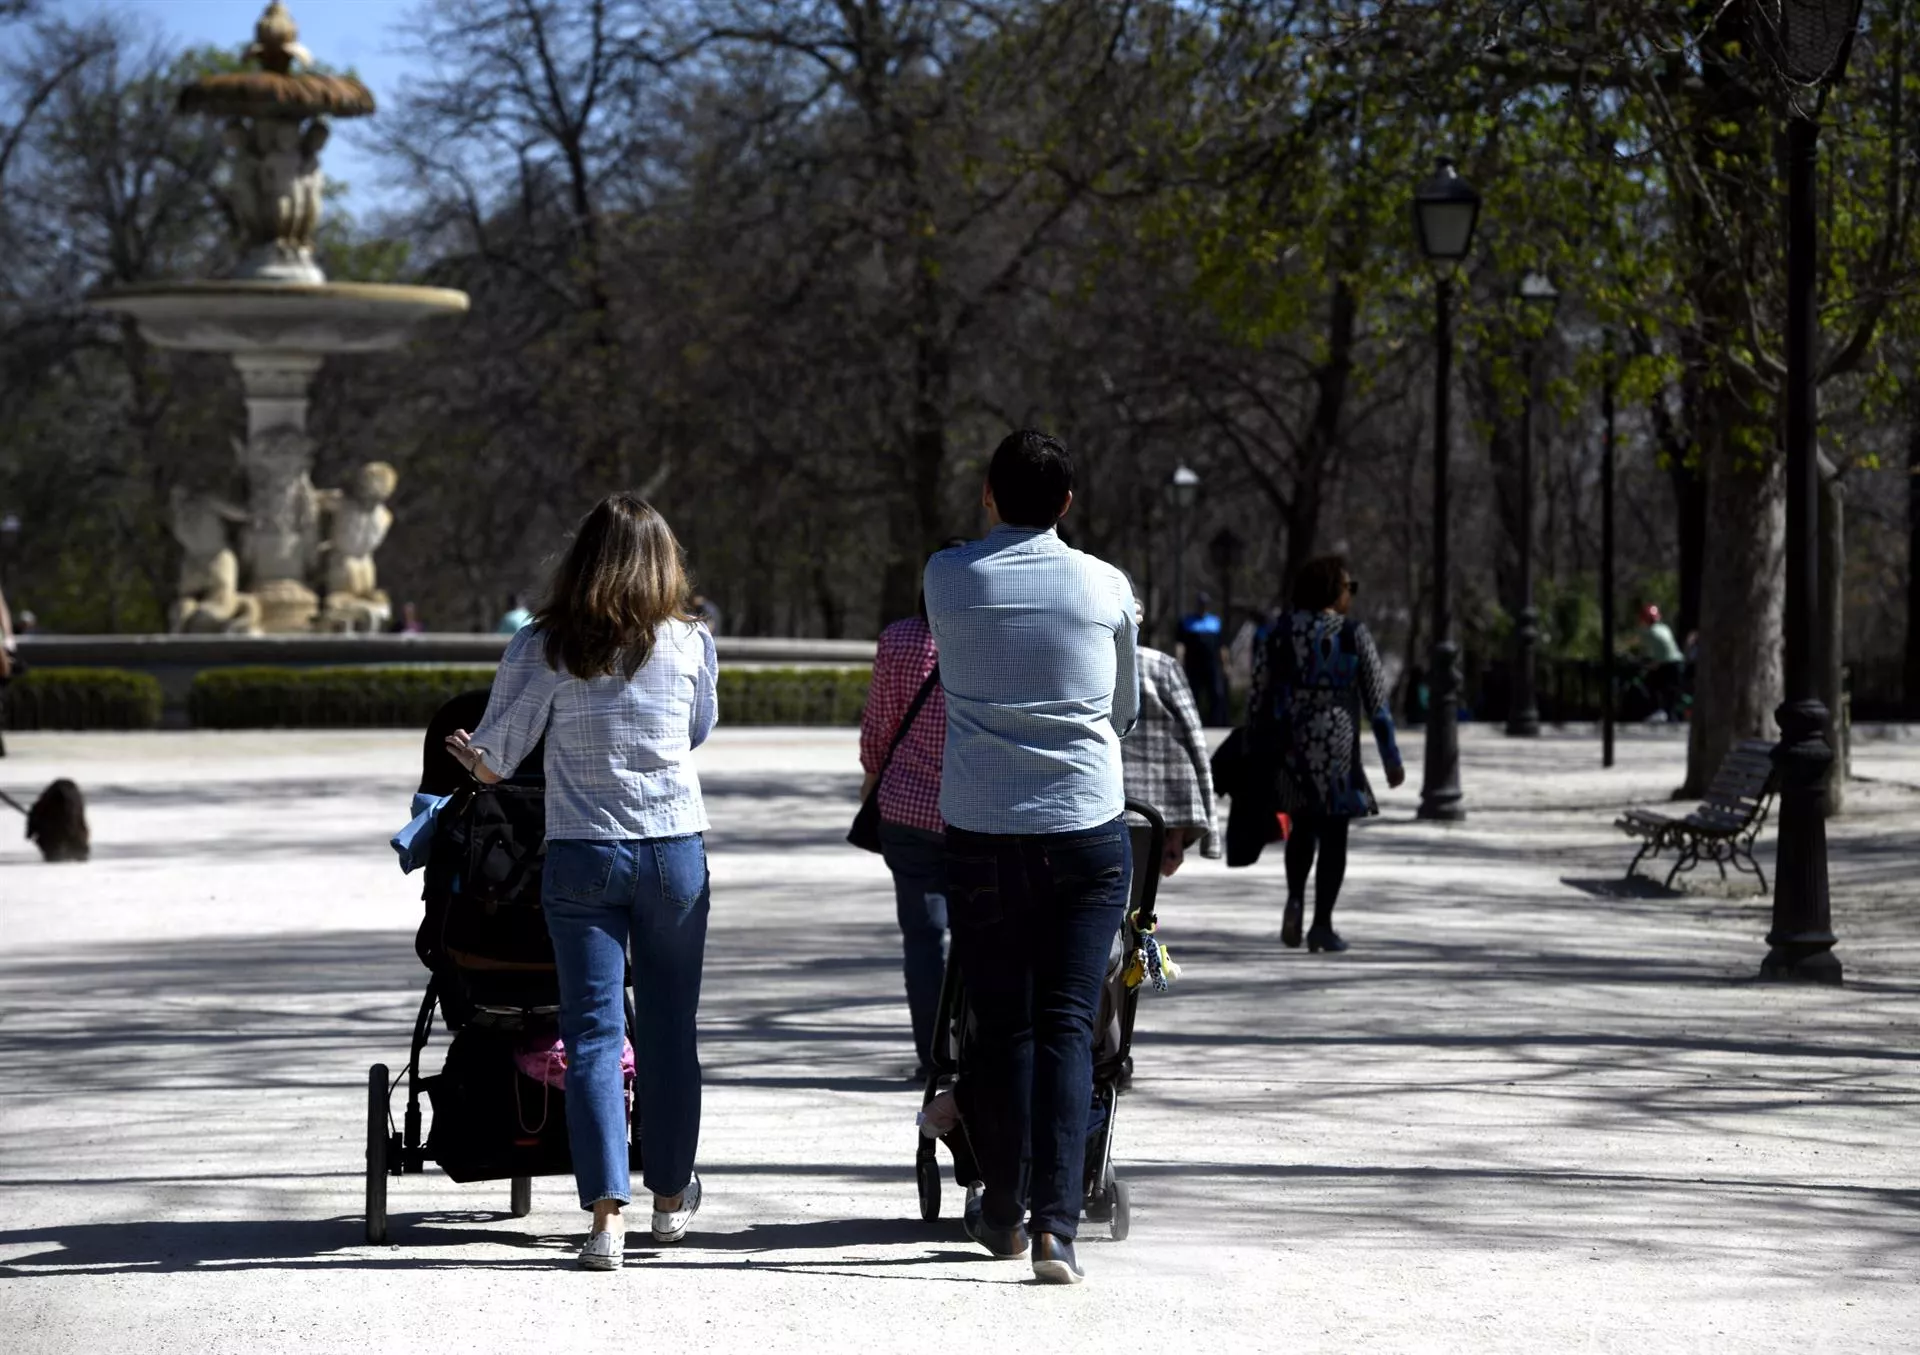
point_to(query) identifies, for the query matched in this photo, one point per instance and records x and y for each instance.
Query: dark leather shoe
(1006, 1244)
(1054, 1261)
(1325, 938)
(1290, 925)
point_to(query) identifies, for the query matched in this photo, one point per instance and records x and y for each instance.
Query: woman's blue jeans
(599, 898)
(1033, 922)
(918, 860)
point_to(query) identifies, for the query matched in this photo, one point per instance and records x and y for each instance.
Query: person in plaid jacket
(912, 833)
(1164, 763)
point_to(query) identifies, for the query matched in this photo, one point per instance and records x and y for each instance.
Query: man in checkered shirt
(1037, 661)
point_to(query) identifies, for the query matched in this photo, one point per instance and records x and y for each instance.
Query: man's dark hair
(1317, 586)
(1030, 476)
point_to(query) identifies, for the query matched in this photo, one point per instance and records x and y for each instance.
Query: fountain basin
(236, 316)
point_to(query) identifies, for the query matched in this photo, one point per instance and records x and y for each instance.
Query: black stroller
(1108, 1199)
(484, 939)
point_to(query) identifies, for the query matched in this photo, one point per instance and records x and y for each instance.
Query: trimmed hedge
(793, 696)
(375, 696)
(406, 697)
(82, 698)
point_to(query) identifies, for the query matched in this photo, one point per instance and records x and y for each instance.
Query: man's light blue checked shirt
(619, 750)
(1036, 656)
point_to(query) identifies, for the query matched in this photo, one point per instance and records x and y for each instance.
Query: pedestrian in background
(905, 766)
(1037, 662)
(516, 616)
(1318, 678)
(1664, 679)
(1200, 643)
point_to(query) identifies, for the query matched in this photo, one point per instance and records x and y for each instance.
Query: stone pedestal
(281, 539)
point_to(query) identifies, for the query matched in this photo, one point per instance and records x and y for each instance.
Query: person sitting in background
(410, 623)
(1663, 653)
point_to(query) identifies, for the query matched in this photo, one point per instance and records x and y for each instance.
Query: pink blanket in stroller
(545, 1060)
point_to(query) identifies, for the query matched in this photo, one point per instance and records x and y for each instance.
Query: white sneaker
(670, 1225)
(604, 1250)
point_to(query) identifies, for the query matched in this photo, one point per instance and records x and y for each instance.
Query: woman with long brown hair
(618, 677)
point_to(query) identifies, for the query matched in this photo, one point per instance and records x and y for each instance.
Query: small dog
(57, 823)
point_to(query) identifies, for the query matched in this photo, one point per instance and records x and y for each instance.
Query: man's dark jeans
(1033, 919)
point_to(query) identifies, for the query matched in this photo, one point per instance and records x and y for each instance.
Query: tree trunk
(1913, 551)
(1320, 452)
(1738, 677)
(1737, 682)
(1690, 531)
(1503, 451)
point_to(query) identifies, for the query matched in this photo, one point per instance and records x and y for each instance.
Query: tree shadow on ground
(427, 1241)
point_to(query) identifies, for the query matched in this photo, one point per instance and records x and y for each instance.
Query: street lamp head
(1184, 487)
(1445, 210)
(1807, 41)
(1537, 289)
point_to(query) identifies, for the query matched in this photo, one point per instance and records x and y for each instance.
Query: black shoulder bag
(865, 833)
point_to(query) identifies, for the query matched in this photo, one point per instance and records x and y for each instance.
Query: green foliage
(372, 696)
(81, 698)
(793, 696)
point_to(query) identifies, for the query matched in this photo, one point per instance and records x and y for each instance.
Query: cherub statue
(357, 520)
(210, 598)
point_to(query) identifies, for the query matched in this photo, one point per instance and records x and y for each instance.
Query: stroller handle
(1156, 848)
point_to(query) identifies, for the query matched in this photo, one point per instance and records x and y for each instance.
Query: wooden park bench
(1723, 828)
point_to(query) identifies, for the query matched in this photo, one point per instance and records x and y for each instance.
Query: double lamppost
(1445, 212)
(1537, 294)
(1808, 42)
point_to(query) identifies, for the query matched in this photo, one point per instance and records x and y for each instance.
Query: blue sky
(367, 35)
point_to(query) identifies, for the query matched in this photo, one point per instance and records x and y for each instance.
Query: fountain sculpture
(278, 317)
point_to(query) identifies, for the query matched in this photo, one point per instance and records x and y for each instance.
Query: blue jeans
(598, 897)
(918, 860)
(1033, 918)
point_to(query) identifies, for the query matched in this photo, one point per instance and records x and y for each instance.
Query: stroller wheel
(928, 1176)
(1122, 1211)
(520, 1201)
(377, 1144)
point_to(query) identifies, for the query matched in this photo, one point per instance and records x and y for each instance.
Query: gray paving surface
(1526, 1113)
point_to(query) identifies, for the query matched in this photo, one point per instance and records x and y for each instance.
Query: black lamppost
(1537, 293)
(1445, 211)
(1809, 42)
(1184, 489)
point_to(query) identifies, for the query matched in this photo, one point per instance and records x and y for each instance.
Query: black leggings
(1328, 836)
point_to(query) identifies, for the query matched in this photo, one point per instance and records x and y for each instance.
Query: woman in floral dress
(1312, 682)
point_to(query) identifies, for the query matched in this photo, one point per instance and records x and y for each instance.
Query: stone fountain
(278, 317)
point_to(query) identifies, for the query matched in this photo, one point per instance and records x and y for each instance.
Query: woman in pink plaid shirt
(912, 833)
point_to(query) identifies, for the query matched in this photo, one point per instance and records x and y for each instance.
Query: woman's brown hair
(619, 582)
(1317, 586)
